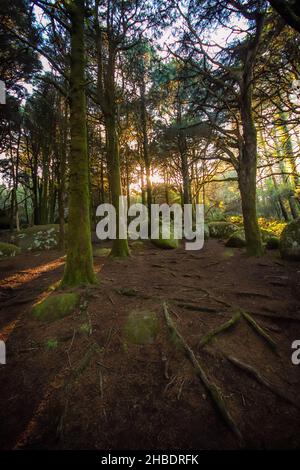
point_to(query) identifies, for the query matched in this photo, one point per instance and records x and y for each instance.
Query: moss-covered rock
(137, 245)
(236, 240)
(141, 327)
(290, 241)
(55, 307)
(222, 229)
(7, 250)
(270, 239)
(102, 252)
(273, 243)
(38, 237)
(167, 243)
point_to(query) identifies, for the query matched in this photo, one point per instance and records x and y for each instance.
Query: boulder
(167, 243)
(290, 241)
(237, 240)
(55, 306)
(38, 237)
(141, 327)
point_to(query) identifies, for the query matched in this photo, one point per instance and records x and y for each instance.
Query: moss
(237, 240)
(168, 243)
(102, 252)
(228, 253)
(79, 263)
(85, 328)
(38, 237)
(141, 327)
(273, 243)
(120, 249)
(137, 245)
(55, 307)
(221, 230)
(290, 241)
(51, 343)
(7, 250)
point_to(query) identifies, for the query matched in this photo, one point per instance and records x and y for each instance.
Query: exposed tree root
(257, 375)
(253, 294)
(260, 330)
(210, 386)
(196, 308)
(276, 317)
(209, 336)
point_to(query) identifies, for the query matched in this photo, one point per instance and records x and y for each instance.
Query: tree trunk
(146, 144)
(62, 176)
(120, 247)
(248, 151)
(79, 263)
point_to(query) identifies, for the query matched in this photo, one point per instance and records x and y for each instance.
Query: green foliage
(55, 307)
(85, 328)
(51, 344)
(221, 229)
(237, 240)
(7, 250)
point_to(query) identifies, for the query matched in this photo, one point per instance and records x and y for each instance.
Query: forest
(137, 339)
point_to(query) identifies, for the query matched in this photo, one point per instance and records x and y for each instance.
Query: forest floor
(95, 390)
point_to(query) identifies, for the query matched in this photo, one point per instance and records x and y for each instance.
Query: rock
(290, 241)
(38, 237)
(270, 239)
(7, 250)
(137, 245)
(141, 327)
(237, 240)
(167, 243)
(102, 252)
(222, 230)
(55, 306)
(273, 243)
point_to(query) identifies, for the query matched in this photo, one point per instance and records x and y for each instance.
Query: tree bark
(247, 168)
(120, 246)
(79, 263)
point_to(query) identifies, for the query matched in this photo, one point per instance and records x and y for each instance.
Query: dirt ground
(95, 390)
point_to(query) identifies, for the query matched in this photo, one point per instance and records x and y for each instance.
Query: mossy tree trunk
(106, 98)
(63, 131)
(145, 141)
(120, 246)
(247, 167)
(79, 263)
